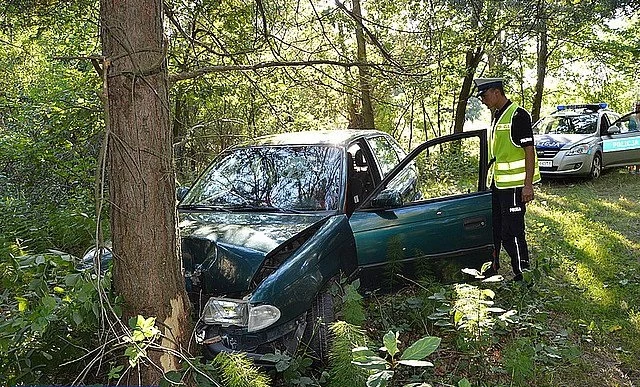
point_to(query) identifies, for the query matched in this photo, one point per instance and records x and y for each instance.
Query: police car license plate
(545, 163)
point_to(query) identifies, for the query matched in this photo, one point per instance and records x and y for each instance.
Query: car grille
(547, 153)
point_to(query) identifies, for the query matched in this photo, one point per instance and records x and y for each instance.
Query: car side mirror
(181, 192)
(387, 199)
(613, 129)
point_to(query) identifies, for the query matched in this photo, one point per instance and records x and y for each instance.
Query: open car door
(430, 216)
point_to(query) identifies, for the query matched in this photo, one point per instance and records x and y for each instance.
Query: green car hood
(222, 251)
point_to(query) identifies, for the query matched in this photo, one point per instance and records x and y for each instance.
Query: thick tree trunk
(543, 59)
(365, 80)
(147, 267)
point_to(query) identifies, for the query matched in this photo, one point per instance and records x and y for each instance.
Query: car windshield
(304, 178)
(567, 124)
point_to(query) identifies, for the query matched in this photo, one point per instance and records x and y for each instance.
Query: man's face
(490, 98)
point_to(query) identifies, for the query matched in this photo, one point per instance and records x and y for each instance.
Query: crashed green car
(272, 222)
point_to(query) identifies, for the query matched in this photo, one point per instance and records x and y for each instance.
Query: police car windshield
(567, 124)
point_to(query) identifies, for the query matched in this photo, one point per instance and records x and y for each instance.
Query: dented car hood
(222, 251)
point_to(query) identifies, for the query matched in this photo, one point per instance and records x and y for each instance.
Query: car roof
(337, 137)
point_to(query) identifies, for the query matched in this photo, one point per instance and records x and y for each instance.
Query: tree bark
(365, 80)
(542, 62)
(471, 64)
(147, 264)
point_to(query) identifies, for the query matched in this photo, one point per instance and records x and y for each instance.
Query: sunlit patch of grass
(589, 233)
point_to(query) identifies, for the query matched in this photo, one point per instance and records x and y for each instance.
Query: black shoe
(518, 278)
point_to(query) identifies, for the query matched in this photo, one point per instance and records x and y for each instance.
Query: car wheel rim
(595, 172)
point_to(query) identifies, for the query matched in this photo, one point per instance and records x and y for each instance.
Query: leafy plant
(383, 369)
(351, 308)
(48, 312)
(292, 369)
(342, 372)
(237, 370)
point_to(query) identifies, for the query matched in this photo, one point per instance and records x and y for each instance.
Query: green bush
(48, 316)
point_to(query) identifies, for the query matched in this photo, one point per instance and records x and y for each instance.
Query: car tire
(316, 336)
(596, 167)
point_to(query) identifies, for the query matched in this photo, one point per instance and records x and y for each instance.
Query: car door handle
(474, 223)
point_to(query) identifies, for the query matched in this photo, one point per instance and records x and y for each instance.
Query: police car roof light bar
(594, 107)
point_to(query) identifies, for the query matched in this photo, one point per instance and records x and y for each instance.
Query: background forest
(239, 69)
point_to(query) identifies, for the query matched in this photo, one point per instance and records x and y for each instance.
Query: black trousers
(508, 228)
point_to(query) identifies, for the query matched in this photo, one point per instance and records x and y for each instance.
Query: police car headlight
(579, 150)
(262, 316)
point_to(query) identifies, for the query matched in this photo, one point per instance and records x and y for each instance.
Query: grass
(589, 232)
(578, 321)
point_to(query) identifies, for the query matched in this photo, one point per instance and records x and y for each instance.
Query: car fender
(294, 285)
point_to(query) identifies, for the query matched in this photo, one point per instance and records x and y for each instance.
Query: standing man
(513, 171)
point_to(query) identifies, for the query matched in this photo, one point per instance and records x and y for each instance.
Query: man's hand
(527, 193)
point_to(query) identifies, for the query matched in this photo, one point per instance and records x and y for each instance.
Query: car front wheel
(316, 334)
(596, 166)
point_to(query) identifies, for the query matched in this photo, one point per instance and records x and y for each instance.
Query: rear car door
(430, 216)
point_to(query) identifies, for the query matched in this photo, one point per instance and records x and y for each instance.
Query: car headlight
(228, 312)
(262, 316)
(225, 312)
(579, 150)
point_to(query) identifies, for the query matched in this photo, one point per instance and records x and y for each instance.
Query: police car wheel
(596, 166)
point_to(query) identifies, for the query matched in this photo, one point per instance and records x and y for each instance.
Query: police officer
(512, 173)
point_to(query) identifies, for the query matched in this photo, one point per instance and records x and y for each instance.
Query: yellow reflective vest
(508, 169)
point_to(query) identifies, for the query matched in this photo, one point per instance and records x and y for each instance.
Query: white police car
(581, 140)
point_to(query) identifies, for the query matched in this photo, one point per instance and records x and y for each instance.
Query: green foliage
(48, 313)
(142, 335)
(382, 370)
(351, 308)
(292, 369)
(237, 370)
(341, 371)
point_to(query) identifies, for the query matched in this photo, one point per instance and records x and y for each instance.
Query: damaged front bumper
(217, 339)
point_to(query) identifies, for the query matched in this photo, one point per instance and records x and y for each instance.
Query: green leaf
(494, 278)
(282, 365)
(23, 304)
(464, 383)
(416, 363)
(114, 373)
(488, 293)
(134, 354)
(77, 317)
(457, 316)
(421, 348)
(379, 379)
(371, 362)
(473, 272)
(390, 341)
(361, 351)
(271, 357)
(137, 336)
(485, 266)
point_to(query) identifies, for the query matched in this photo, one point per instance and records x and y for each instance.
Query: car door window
(385, 153)
(438, 171)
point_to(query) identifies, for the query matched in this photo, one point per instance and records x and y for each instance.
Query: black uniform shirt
(521, 132)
